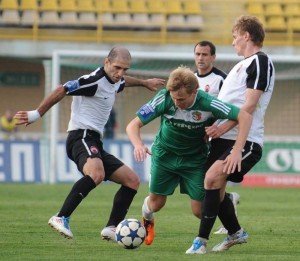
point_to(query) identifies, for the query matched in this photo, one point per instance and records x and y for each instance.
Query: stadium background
(30, 30)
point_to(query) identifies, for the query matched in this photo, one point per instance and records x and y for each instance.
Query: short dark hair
(119, 52)
(207, 43)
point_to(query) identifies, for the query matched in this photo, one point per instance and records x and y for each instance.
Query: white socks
(146, 212)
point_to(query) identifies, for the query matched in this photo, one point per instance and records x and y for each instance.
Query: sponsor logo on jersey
(94, 149)
(196, 115)
(146, 111)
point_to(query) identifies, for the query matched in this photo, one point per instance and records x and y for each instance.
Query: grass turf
(270, 216)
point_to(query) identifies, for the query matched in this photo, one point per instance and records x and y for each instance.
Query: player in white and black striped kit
(211, 80)
(249, 85)
(93, 98)
(209, 77)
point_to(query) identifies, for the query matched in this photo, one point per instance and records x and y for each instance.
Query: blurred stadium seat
(87, 13)
(255, 8)
(121, 13)
(29, 10)
(104, 11)
(276, 23)
(139, 11)
(175, 16)
(192, 10)
(156, 10)
(292, 9)
(294, 24)
(273, 9)
(10, 12)
(191, 7)
(68, 12)
(49, 12)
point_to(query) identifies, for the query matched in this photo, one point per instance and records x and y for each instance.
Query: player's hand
(27, 117)
(154, 83)
(140, 153)
(22, 118)
(213, 131)
(233, 162)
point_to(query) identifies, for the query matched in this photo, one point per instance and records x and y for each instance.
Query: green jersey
(182, 131)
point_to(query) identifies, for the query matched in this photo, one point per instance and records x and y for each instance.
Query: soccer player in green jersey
(180, 151)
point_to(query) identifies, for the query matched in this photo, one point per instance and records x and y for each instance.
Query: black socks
(210, 210)
(122, 201)
(227, 215)
(79, 191)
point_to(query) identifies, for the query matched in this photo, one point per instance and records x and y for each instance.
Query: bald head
(119, 53)
(117, 63)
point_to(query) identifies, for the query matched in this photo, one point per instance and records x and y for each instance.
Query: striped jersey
(182, 131)
(255, 72)
(212, 81)
(93, 99)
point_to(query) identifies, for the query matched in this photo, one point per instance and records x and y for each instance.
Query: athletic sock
(146, 212)
(210, 209)
(121, 204)
(227, 215)
(79, 191)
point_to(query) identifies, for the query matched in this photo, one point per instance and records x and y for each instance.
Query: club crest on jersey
(196, 115)
(94, 149)
(207, 88)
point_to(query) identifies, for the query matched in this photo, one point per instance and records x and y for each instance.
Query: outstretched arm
(151, 84)
(27, 117)
(134, 135)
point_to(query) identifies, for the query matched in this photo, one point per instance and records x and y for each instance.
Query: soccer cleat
(150, 232)
(109, 233)
(221, 231)
(61, 224)
(239, 237)
(198, 247)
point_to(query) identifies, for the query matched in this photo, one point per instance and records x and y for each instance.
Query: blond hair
(182, 77)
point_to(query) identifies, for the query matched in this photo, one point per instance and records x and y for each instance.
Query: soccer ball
(130, 233)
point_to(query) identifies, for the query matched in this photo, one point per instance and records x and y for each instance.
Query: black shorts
(221, 148)
(84, 144)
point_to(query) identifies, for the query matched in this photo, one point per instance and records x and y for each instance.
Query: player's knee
(210, 182)
(196, 208)
(97, 176)
(157, 205)
(212, 178)
(197, 213)
(132, 181)
(94, 168)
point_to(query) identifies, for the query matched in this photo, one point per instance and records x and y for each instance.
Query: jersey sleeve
(220, 109)
(86, 85)
(259, 73)
(154, 108)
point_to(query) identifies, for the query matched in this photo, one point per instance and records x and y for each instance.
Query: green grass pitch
(270, 216)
